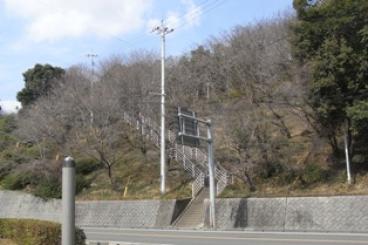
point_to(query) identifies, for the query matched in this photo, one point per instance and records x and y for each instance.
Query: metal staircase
(193, 160)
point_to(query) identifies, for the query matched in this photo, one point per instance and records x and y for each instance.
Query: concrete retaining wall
(20, 205)
(333, 214)
(323, 214)
(125, 214)
(346, 213)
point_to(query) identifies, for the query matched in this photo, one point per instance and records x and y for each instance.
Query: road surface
(111, 236)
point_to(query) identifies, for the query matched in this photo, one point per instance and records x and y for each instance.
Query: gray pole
(162, 30)
(68, 202)
(92, 57)
(163, 147)
(211, 173)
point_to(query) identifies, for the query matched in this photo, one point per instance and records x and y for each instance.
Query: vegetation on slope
(282, 94)
(135, 174)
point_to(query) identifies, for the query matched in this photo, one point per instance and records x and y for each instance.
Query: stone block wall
(344, 213)
(253, 213)
(124, 214)
(20, 205)
(320, 214)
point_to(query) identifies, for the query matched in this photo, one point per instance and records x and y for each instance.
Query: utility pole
(162, 30)
(92, 57)
(211, 171)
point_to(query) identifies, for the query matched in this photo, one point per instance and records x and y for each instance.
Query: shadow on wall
(179, 208)
(241, 214)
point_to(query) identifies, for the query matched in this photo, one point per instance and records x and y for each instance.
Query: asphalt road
(171, 237)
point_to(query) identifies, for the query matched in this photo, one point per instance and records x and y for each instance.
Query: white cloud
(173, 19)
(58, 19)
(189, 17)
(8, 107)
(193, 13)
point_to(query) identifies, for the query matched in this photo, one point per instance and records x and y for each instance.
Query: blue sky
(62, 32)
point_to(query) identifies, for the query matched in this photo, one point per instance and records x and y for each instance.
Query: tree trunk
(281, 124)
(248, 180)
(208, 91)
(334, 145)
(108, 165)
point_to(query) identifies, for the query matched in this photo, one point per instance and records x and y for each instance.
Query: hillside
(287, 100)
(135, 175)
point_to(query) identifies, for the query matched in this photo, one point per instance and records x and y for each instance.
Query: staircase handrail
(150, 128)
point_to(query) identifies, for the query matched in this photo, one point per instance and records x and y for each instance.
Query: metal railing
(193, 159)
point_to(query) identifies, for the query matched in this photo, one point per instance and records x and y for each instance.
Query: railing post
(184, 155)
(194, 189)
(149, 128)
(176, 151)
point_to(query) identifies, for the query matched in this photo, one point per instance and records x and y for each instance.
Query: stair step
(193, 215)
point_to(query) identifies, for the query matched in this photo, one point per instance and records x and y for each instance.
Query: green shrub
(49, 187)
(235, 93)
(15, 155)
(81, 183)
(6, 140)
(7, 123)
(31, 151)
(35, 232)
(17, 181)
(287, 176)
(5, 168)
(239, 189)
(86, 165)
(313, 173)
(269, 169)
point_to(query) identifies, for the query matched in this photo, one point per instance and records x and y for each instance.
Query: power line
(201, 11)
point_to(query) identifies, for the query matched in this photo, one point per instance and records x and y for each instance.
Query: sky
(63, 32)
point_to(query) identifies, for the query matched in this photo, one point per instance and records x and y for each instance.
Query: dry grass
(138, 176)
(331, 188)
(7, 242)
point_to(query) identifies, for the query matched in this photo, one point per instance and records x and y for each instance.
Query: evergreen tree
(331, 38)
(38, 81)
